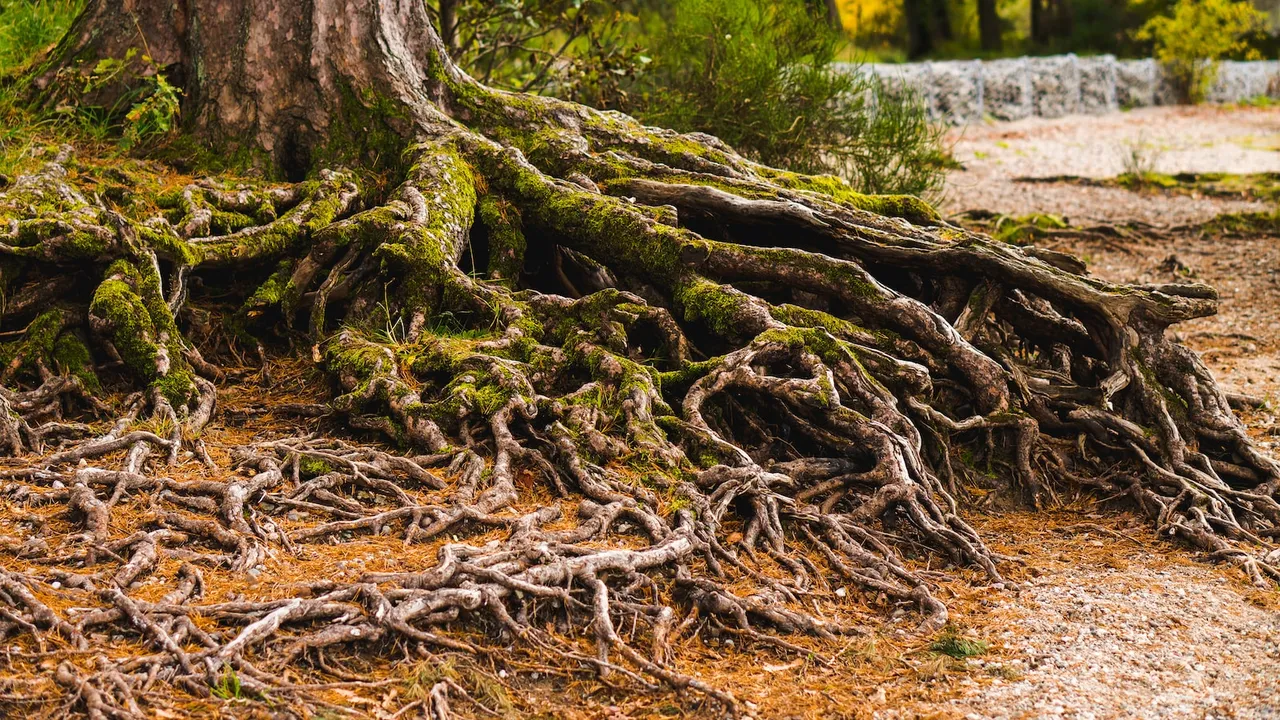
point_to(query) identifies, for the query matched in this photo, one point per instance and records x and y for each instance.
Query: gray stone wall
(966, 91)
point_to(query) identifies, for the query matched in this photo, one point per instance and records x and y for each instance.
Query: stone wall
(965, 91)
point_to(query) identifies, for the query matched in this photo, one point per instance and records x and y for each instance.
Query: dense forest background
(895, 30)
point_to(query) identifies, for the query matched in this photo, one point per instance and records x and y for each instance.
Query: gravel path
(1167, 139)
(1150, 636)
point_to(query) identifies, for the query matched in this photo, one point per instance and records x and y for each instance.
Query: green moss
(1245, 223)
(421, 257)
(907, 207)
(267, 242)
(803, 317)
(50, 236)
(225, 223)
(178, 386)
(720, 307)
(950, 642)
(187, 152)
(367, 131)
(310, 467)
(271, 292)
(42, 332)
(1023, 229)
(129, 307)
(71, 354)
(506, 239)
(606, 228)
(129, 323)
(169, 246)
(1146, 180)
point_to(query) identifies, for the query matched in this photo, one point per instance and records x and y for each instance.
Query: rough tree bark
(748, 385)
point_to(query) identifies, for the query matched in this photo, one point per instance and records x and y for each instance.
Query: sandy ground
(1147, 633)
(1169, 140)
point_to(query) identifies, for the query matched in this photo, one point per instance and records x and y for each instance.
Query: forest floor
(1097, 618)
(1104, 621)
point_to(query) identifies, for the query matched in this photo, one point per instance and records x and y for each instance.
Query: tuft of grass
(29, 27)
(145, 115)
(951, 643)
(228, 686)
(1140, 158)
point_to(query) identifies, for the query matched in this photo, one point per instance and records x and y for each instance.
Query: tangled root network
(625, 385)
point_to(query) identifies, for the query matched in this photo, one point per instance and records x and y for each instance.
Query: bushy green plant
(758, 75)
(890, 144)
(1191, 40)
(752, 73)
(583, 49)
(152, 102)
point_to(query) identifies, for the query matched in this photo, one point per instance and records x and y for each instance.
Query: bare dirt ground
(1137, 628)
(1167, 139)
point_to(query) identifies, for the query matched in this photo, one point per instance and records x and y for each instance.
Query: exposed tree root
(744, 389)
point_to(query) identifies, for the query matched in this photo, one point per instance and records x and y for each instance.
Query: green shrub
(755, 74)
(1199, 33)
(758, 75)
(584, 49)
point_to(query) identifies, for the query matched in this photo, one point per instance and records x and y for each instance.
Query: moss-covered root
(376, 394)
(129, 313)
(45, 217)
(311, 206)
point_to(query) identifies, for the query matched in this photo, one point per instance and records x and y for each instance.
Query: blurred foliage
(29, 26)
(879, 29)
(1191, 40)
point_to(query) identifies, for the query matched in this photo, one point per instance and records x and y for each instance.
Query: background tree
(990, 27)
(638, 380)
(1196, 35)
(898, 29)
(928, 26)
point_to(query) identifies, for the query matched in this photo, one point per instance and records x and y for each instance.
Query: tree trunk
(300, 83)
(1064, 18)
(833, 14)
(921, 38)
(448, 20)
(1039, 25)
(989, 26)
(928, 25)
(749, 386)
